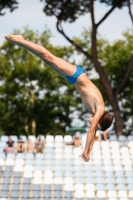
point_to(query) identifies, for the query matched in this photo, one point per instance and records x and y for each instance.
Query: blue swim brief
(72, 79)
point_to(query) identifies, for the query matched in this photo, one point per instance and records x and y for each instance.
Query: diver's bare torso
(89, 94)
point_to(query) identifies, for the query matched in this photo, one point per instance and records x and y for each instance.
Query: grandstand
(60, 174)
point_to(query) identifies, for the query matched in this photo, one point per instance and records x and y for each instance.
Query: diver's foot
(85, 157)
(15, 39)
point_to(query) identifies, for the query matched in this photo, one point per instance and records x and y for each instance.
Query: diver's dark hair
(106, 120)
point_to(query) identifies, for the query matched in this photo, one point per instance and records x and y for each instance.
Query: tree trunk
(118, 119)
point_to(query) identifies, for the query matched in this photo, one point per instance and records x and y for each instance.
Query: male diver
(76, 75)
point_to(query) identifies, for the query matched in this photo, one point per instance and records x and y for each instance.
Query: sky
(30, 13)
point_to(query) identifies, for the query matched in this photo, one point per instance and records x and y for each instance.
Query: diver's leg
(59, 65)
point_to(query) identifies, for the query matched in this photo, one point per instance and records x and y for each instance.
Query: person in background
(77, 141)
(30, 146)
(20, 145)
(10, 146)
(39, 144)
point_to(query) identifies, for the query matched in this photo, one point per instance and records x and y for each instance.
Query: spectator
(39, 145)
(20, 145)
(77, 141)
(30, 146)
(10, 146)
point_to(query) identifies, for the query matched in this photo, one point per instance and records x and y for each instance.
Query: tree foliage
(70, 10)
(8, 4)
(34, 99)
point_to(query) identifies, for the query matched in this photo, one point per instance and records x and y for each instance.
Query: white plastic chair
(68, 180)
(14, 138)
(129, 180)
(117, 162)
(18, 168)
(58, 180)
(120, 180)
(24, 138)
(10, 156)
(58, 150)
(96, 156)
(29, 162)
(39, 162)
(108, 168)
(28, 174)
(58, 138)
(32, 138)
(121, 186)
(37, 180)
(39, 156)
(49, 138)
(118, 168)
(105, 145)
(112, 194)
(38, 167)
(128, 168)
(2, 155)
(109, 174)
(122, 194)
(20, 156)
(110, 180)
(28, 168)
(130, 194)
(90, 194)
(68, 187)
(48, 173)
(106, 156)
(112, 199)
(122, 138)
(3, 145)
(58, 144)
(38, 173)
(107, 162)
(79, 187)
(129, 174)
(79, 194)
(58, 155)
(9, 162)
(126, 162)
(68, 150)
(116, 155)
(68, 138)
(124, 198)
(101, 194)
(114, 144)
(68, 156)
(4, 138)
(19, 162)
(90, 187)
(2, 162)
(29, 156)
(48, 180)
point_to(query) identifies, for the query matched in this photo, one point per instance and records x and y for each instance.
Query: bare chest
(91, 96)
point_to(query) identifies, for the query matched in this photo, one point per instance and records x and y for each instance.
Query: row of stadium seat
(60, 138)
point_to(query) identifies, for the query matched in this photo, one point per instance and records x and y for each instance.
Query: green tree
(8, 4)
(34, 99)
(69, 11)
